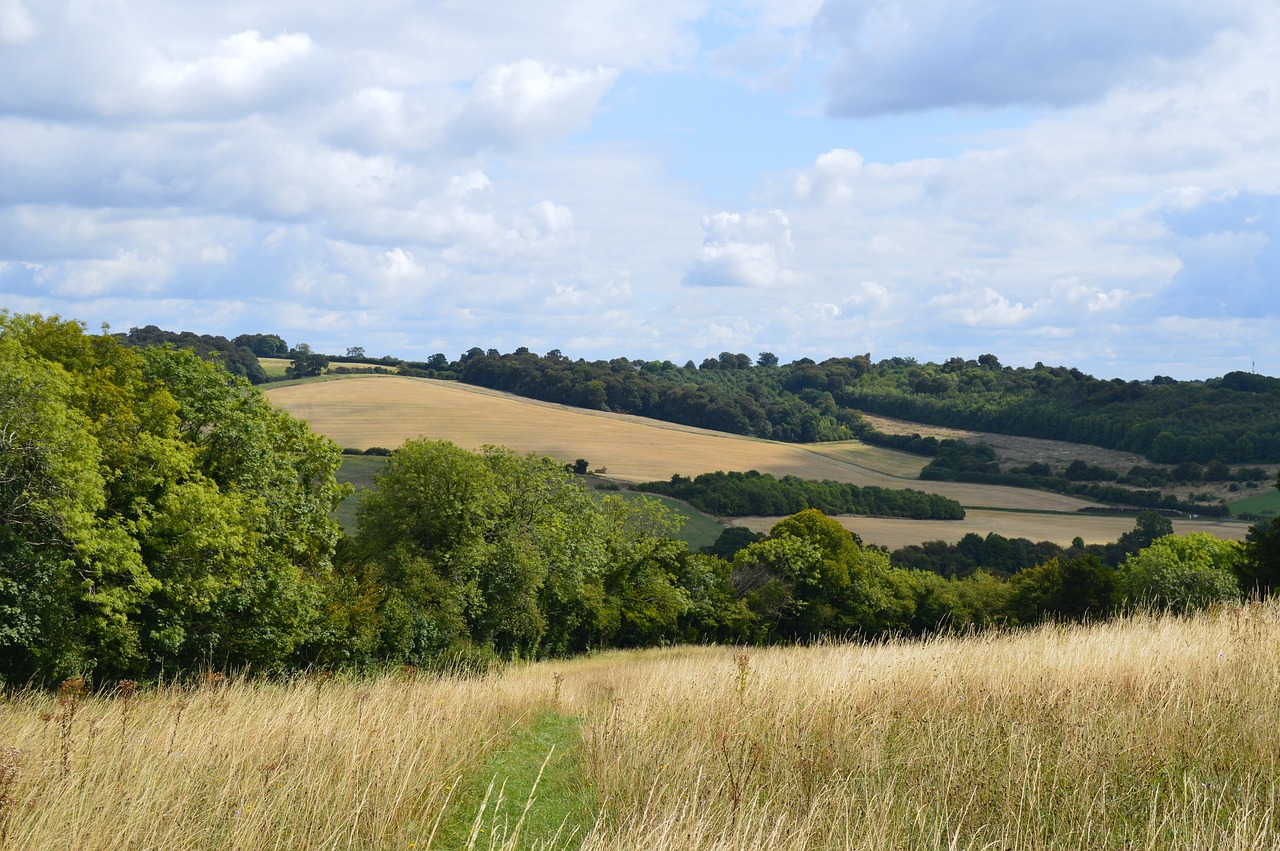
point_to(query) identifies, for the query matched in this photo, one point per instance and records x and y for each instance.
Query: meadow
(365, 411)
(1145, 732)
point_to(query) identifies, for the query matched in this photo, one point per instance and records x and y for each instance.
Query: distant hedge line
(752, 493)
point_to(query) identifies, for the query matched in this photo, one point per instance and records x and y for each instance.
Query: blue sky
(1090, 183)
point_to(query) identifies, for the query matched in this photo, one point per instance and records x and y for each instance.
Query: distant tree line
(761, 494)
(233, 356)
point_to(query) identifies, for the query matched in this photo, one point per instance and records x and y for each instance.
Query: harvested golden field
(1058, 528)
(387, 410)
(1141, 733)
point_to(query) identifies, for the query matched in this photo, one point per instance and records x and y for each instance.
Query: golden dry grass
(387, 410)
(1147, 733)
(1058, 528)
(307, 764)
(1144, 733)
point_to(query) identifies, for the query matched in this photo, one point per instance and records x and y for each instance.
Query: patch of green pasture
(531, 794)
(699, 530)
(1266, 503)
(357, 470)
(274, 367)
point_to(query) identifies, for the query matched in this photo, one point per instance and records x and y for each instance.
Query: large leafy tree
(1259, 569)
(461, 550)
(159, 514)
(1182, 572)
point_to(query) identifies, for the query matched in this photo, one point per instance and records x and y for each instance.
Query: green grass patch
(530, 794)
(274, 367)
(1266, 504)
(357, 470)
(699, 530)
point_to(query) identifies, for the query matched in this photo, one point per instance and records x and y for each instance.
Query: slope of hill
(369, 411)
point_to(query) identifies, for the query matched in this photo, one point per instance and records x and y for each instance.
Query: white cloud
(743, 250)
(980, 307)
(126, 273)
(524, 103)
(831, 179)
(242, 71)
(443, 175)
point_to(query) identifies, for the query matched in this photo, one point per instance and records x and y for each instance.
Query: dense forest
(159, 516)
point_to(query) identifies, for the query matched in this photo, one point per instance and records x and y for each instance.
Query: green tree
(178, 518)
(1259, 569)
(1182, 572)
(530, 561)
(1079, 589)
(306, 363)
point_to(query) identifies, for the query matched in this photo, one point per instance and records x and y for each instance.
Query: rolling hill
(365, 411)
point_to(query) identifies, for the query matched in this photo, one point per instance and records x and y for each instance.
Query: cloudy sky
(1093, 183)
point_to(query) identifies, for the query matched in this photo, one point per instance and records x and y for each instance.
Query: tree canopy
(158, 511)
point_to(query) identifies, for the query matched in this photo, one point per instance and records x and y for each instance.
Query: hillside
(386, 410)
(360, 412)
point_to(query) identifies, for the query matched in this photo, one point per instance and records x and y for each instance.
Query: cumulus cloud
(980, 307)
(243, 71)
(444, 175)
(517, 104)
(831, 179)
(868, 297)
(743, 250)
(128, 272)
(900, 57)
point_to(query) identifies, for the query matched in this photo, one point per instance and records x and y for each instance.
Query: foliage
(756, 494)
(263, 345)
(1078, 589)
(233, 355)
(1182, 572)
(159, 512)
(305, 363)
(1259, 569)
(459, 549)
(1228, 420)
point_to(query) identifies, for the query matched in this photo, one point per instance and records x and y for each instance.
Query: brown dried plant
(69, 694)
(10, 760)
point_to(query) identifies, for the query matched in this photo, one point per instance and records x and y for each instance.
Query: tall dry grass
(1151, 732)
(1146, 733)
(312, 763)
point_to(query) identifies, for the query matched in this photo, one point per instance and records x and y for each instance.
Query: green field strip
(699, 530)
(356, 470)
(1265, 504)
(529, 795)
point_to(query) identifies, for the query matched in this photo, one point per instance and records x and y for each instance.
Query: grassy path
(531, 795)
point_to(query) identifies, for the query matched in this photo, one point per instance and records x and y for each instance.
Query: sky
(1093, 183)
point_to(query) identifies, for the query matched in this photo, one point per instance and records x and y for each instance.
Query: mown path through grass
(530, 795)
